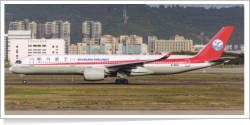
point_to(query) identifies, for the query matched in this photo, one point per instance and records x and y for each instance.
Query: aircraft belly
(172, 69)
(50, 70)
(141, 71)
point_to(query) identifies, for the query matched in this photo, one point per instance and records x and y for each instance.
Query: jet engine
(93, 74)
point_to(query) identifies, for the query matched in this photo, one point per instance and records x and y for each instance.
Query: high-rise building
(151, 41)
(56, 30)
(13, 26)
(25, 25)
(65, 32)
(26, 22)
(21, 25)
(41, 31)
(91, 31)
(47, 33)
(33, 28)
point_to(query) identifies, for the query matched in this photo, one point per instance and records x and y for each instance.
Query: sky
(203, 5)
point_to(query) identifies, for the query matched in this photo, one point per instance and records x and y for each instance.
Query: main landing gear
(24, 80)
(121, 81)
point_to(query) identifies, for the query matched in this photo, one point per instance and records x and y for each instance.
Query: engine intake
(93, 74)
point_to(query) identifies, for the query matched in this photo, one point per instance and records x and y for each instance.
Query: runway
(114, 84)
(128, 111)
(155, 82)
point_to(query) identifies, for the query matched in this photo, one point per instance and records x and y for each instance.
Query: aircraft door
(72, 62)
(31, 62)
(187, 62)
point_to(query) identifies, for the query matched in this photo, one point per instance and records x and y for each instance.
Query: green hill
(143, 20)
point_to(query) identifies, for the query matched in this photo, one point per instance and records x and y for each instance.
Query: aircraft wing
(138, 63)
(223, 59)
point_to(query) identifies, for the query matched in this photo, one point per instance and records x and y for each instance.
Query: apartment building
(56, 30)
(89, 48)
(91, 31)
(24, 25)
(110, 41)
(132, 39)
(72, 49)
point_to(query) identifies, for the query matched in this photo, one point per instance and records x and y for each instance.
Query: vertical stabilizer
(216, 46)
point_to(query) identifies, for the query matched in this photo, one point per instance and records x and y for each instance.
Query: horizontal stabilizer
(223, 60)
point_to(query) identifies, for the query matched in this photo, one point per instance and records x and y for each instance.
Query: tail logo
(217, 45)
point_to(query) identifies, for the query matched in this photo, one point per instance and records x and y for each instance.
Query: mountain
(143, 20)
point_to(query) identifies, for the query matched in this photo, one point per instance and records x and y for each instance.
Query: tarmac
(127, 111)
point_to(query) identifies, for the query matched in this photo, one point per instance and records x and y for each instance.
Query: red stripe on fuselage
(167, 61)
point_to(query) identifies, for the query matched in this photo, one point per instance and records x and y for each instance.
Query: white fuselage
(74, 64)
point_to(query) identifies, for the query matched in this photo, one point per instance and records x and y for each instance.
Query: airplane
(98, 67)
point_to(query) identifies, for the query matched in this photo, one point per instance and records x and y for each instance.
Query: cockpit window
(18, 62)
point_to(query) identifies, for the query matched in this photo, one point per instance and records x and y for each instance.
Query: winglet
(169, 54)
(166, 56)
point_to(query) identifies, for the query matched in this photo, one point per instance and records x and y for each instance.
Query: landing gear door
(31, 62)
(187, 62)
(72, 62)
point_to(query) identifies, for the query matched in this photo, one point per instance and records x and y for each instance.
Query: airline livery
(97, 67)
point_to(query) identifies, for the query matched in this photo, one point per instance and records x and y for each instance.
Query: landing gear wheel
(121, 81)
(125, 81)
(118, 81)
(24, 81)
(23, 75)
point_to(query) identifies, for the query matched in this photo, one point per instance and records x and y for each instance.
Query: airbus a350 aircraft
(97, 67)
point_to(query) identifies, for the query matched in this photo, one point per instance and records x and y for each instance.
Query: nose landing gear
(121, 81)
(24, 80)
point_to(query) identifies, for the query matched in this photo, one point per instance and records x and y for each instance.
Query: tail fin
(216, 46)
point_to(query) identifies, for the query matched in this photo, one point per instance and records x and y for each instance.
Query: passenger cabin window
(18, 62)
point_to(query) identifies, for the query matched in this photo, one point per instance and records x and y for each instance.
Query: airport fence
(228, 66)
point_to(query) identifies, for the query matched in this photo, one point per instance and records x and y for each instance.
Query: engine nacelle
(93, 74)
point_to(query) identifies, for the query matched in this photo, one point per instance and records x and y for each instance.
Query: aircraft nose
(10, 68)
